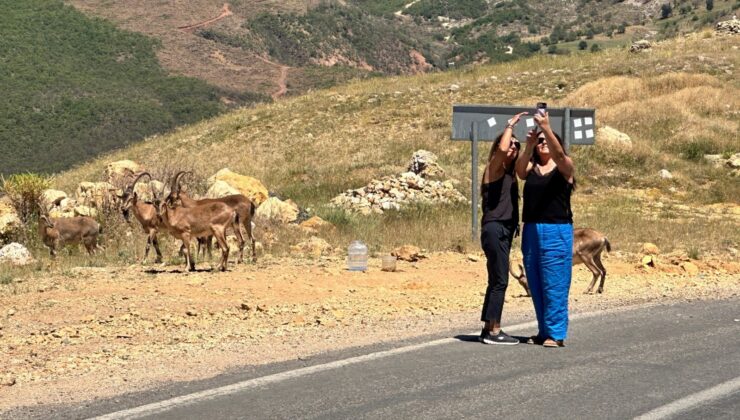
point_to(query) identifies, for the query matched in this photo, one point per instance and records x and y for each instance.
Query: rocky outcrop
(115, 172)
(15, 254)
(391, 193)
(614, 137)
(729, 27)
(424, 163)
(52, 198)
(252, 188)
(276, 211)
(96, 194)
(9, 220)
(639, 46)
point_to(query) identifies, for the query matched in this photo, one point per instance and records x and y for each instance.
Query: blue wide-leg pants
(548, 262)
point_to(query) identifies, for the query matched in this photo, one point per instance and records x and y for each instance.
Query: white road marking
(693, 400)
(162, 406)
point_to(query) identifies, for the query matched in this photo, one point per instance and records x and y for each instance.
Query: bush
(710, 5)
(666, 11)
(595, 48)
(582, 45)
(24, 191)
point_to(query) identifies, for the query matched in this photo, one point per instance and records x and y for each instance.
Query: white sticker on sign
(577, 122)
(530, 122)
(588, 121)
(589, 134)
(491, 122)
(579, 135)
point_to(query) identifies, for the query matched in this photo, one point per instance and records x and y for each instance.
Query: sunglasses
(540, 140)
(515, 144)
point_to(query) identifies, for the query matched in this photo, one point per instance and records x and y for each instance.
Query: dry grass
(312, 147)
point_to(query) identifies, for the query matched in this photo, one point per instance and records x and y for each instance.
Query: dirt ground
(97, 332)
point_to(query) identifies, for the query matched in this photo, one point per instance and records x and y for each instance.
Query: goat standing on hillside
(242, 205)
(57, 232)
(199, 221)
(146, 213)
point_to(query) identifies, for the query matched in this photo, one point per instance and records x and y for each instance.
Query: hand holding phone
(541, 108)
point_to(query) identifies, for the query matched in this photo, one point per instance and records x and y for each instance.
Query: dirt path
(282, 81)
(225, 12)
(94, 332)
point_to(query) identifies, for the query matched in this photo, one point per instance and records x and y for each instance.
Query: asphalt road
(616, 365)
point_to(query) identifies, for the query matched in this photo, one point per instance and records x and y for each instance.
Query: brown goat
(145, 213)
(242, 205)
(56, 232)
(588, 244)
(199, 221)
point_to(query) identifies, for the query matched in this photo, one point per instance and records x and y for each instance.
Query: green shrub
(24, 191)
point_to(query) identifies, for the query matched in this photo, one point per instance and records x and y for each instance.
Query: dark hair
(493, 150)
(536, 157)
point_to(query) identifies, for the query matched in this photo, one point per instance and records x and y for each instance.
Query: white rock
(15, 254)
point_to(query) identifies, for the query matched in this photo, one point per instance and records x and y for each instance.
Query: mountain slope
(677, 102)
(74, 87)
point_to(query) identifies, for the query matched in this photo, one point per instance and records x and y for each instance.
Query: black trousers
(496, 240)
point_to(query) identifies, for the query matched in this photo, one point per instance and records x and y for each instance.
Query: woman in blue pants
(547, 237)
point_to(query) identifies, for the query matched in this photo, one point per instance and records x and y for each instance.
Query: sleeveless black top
(547, 198)
(501, 199)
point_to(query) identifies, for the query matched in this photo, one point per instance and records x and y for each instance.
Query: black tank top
(501, 199)
(547, 198)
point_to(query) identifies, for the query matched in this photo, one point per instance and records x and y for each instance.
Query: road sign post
(476, 123)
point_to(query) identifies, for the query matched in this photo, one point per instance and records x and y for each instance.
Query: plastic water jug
(357, 256)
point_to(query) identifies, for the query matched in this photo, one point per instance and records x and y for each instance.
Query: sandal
(550, 343)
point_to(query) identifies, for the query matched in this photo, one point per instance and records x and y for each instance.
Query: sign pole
(474, 180)
(566, 130)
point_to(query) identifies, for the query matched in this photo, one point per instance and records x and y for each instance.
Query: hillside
(75, 87)
(677, 102)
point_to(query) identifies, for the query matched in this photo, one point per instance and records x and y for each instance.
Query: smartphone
(541, 108)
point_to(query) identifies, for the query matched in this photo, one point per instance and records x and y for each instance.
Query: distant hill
(74, 87)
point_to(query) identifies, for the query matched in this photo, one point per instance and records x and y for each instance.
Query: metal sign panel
(491, 120)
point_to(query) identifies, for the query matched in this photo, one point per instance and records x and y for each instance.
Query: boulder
(221, 189)
(15, 254)
(9, 220)
(734, 161)
(85, 211)
(52, 198)
(96, 194)
(250, 187)
(690, 268)
(650, 249)
(273, 209)
(614, 137)
(146, 190)
(313, 247)
(315, 223)
(116, 171)
(424, 163)
(729, 27)
(408, 253)
(642, 45)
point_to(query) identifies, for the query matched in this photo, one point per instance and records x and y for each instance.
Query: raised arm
(524, 161)
(557, 154)
(495, 167)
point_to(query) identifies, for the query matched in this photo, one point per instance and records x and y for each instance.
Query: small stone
(473, 258)
(191, 312)
(665, 174)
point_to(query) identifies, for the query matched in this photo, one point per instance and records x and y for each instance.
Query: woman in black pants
(500, 196)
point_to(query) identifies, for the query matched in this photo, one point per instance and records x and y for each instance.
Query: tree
(622, 28)
(590, 33)
(595, 48)
(582, 45)
(710, 4)
(666, 10)
(552, 49)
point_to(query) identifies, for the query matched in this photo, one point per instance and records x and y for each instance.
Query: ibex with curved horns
(146, 213)
(242, 205)
(199, 221)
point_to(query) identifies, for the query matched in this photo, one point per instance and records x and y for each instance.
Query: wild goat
(199, 221)
(588, 244)
(56, 232)
(145, 213)
(242, 205)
